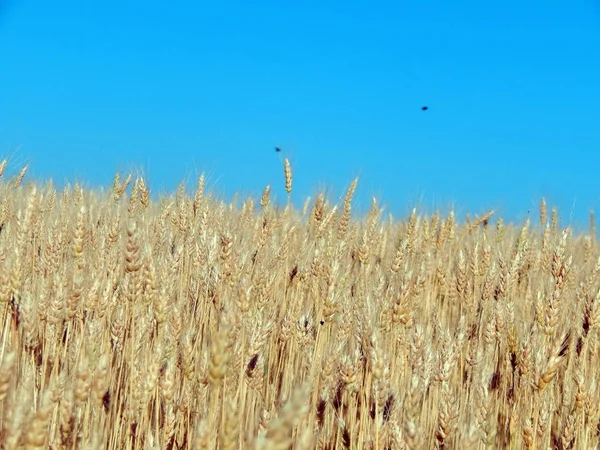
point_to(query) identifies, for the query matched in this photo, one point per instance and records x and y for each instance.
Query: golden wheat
(131, 322)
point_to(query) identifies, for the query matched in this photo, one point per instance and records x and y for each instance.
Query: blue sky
(178, 88)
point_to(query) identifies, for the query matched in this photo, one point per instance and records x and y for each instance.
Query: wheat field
(130, 322)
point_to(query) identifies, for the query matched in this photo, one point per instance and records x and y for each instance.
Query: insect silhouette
(277, 149)
(425, 108)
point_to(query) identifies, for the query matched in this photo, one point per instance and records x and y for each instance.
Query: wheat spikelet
(288, 175)
(20, 177)
(120, 188)
(133, 262)
(554, 221)
(144, 193)
(133, 198)
(218, 358)
(6, 373)
(345, 218)
(279, 432)
(483, 219)
(78, 240)
(199, 195)
(36, 433)
(100, 381)
(228, 433)
(187, 357)
(16, 420)
(543, 212)
(265, 200)
(3, 165)
(528, 434)
(553, 363)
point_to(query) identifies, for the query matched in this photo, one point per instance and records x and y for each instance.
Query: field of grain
(130, 322)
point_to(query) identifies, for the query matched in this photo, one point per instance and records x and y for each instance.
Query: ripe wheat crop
(135, 323)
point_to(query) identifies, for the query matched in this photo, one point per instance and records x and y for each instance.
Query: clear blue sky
(177, 88)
